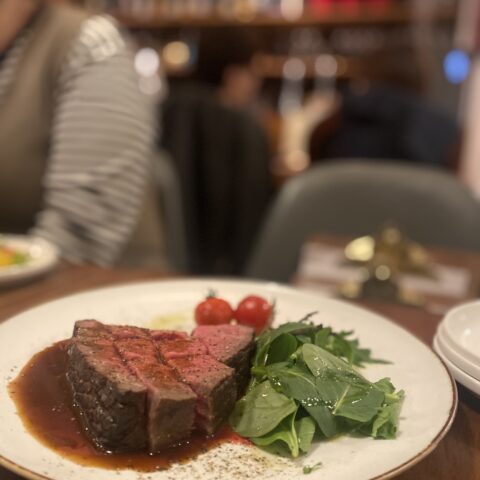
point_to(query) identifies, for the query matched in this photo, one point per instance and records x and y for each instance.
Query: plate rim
(31, 475)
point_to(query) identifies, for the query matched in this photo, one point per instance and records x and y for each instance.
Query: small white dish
(460, 376)
(455, 355)
(42, 258)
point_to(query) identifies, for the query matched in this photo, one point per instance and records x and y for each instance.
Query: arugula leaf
(360, 356)
(311, 468)
(260, 411)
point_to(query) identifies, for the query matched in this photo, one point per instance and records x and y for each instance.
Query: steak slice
(112, 402)
(232, 345)
(171, 403)
(90, 329)
(167, 335)
(127, 331)
(215, 386)
(184, 347)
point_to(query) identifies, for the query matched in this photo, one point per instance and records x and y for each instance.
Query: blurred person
(76, 133)
(221, 152)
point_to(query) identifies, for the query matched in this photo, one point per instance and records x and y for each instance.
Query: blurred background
(323, 79)
(256, 92)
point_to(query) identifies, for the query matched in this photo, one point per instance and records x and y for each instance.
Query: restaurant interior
(311, 158)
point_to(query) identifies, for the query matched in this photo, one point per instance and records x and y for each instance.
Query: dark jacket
(222, 159)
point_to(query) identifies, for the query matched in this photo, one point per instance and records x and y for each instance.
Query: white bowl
(455, 355)
(461, 326)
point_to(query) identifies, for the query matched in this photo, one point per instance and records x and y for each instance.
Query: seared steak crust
(111, 401)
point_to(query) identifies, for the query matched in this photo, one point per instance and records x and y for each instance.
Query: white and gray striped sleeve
(103, 133)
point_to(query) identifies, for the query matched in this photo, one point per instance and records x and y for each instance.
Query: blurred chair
(356, 198)
(169, 197)
(222, 160)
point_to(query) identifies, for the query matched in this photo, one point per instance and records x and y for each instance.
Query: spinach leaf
(385, 385)
(303, 338)
(358, 405)
(321, 337)
(386, 423)
(268, 336)
(324, 418)
(281, 348)
(321, 362)
(260, 411)
(284, 432)
(298, 383)
(305, 428)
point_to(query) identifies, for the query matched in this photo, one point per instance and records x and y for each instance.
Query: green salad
(305, 386)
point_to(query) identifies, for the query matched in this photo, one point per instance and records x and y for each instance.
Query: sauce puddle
(44, 402)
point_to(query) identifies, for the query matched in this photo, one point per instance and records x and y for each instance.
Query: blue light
(456, 66)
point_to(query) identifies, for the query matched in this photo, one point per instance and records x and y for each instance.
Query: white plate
(43, 256)
(460, 376)
(461, 326)
(415, 368)
(455, 356)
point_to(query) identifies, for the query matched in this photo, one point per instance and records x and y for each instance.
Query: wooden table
(457, 456)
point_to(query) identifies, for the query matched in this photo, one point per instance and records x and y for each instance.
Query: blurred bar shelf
(363, 16)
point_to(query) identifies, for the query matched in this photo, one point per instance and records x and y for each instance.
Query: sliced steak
(184, 347)
(167, 335)
(90, 329)
(230, 344)
(127, 331)
(171, 403)
(140, 389)
(111, 400)
(215, 386)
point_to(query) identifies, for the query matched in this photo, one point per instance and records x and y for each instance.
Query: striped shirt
(101, 140)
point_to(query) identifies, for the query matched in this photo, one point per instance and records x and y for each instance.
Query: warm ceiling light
(176, 54)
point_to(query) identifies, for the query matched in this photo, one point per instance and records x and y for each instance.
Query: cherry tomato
(255, 312)
(213, 311)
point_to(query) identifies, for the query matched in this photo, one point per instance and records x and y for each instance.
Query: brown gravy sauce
(44, 402)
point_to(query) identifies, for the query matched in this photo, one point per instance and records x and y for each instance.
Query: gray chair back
(356, 198)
